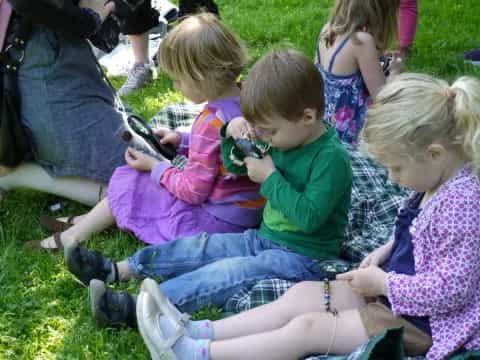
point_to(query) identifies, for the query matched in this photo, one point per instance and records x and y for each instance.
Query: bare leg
(302, 298)
(98, 219)
(33, 176)
(140, 48)
(310, 333)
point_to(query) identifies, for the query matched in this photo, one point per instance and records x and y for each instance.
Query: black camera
(107, 38)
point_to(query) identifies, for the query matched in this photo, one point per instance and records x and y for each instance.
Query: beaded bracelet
(328, 309)
(327, 297)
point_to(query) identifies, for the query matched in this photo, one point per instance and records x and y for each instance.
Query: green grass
(44, 313)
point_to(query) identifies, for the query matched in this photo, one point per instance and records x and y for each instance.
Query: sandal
(53, 225)
(37, 244)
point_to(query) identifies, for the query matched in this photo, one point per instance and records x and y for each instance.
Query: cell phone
(386, 62)
(141, 128)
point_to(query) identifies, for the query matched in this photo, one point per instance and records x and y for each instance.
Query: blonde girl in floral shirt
(425, 279)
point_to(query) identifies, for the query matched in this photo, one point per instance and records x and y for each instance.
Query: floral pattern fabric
(346, 99)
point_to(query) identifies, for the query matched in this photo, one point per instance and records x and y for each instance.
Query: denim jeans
(208, 269)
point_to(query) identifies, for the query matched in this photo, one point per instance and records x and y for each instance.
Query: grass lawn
(44, 313)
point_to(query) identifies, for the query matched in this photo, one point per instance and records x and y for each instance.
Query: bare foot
(49, 243)
(4, 170)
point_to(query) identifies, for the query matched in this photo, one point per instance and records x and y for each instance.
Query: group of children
(225, 221)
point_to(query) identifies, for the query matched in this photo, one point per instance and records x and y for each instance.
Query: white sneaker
(167, 10)
(138, 76)
(164, 305)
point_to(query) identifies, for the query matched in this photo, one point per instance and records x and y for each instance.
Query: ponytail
(465, 95)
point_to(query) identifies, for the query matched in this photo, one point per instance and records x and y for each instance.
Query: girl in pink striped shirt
(159, 202)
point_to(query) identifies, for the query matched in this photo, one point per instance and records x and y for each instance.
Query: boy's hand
(140, 161)
(259, 170)
(239, 128)
(369, 281)
(101, 7)
(168, 137)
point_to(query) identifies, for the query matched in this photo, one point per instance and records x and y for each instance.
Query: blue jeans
(208, 269)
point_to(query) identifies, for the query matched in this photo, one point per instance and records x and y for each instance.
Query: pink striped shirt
(204, 181)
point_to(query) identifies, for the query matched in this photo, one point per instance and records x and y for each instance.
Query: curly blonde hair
(203, 51)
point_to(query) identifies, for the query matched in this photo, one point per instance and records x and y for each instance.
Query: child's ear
(310, 116)
(435, 151)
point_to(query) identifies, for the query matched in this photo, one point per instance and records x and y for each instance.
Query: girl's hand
(168, 137)
(101, 7)
(378, 256)
(140, 161)
(259, 170)
(239, 128)
(370, 281)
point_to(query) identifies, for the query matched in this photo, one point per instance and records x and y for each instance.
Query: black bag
(14, 144)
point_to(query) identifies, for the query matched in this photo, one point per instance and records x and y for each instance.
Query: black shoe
(110, 308)
(86, 264)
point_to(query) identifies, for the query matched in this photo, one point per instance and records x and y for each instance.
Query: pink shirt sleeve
(449, 248)
(195, 182)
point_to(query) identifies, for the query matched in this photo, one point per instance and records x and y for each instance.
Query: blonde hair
(284, 83)
(202, 50)
(414, 111)
(379, 17)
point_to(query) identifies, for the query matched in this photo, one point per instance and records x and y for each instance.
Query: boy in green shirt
(306, 179)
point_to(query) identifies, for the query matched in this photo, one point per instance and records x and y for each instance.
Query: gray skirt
(68, 109)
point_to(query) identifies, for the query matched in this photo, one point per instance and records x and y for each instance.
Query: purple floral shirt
(446, 241)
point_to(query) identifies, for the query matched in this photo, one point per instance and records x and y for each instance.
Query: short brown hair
(203, 50)
(285, 83)
(380, 17)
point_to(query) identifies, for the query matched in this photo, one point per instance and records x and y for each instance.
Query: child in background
(306, 178)
(348, 52)
(425, 279)
(159, 202)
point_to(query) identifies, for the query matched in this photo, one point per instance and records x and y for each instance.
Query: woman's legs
(305, 297)
(33, 176)
(309, 333)
(96, 220)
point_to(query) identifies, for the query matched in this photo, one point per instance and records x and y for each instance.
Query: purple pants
(407, 22)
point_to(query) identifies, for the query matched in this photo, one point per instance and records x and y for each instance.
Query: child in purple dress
(159, 202)
(425, 279)
(348, 51)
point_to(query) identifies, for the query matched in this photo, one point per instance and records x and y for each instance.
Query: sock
(196, 329)
(194, 349)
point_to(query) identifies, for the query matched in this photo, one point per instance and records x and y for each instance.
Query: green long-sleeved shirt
(308, 196)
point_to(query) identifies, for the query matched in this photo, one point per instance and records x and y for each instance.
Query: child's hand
(369, 281)
(140, 161)
(378, 256)
(101, 7)
(259, 170)
(168, 137)
(239, 128)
